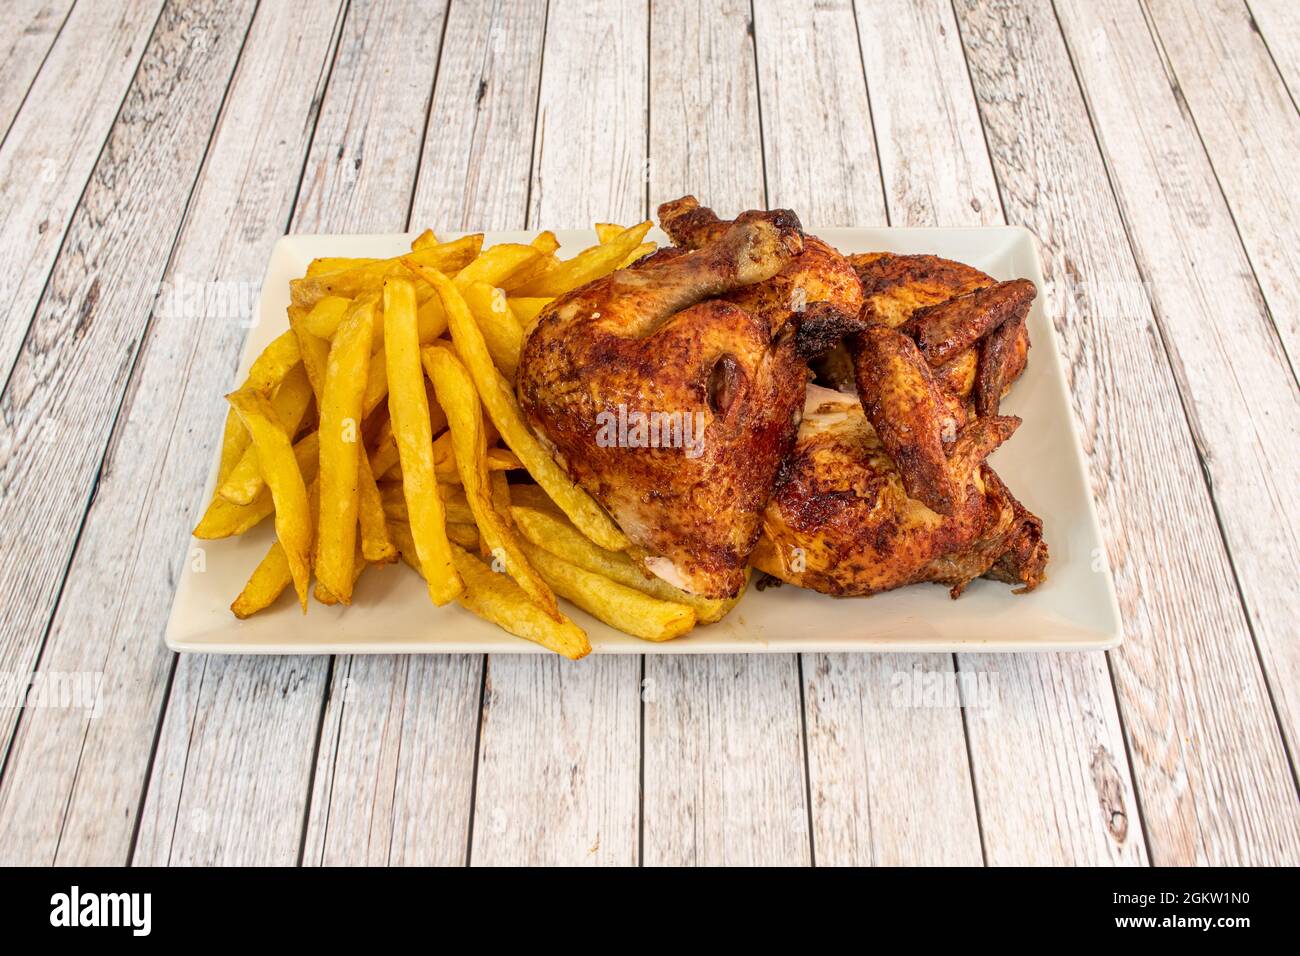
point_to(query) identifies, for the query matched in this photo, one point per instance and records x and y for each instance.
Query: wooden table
(1152, 147)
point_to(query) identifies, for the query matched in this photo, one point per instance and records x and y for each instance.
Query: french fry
(621, 607)
(268, 581)
(501, 330)
(424, 240)
(496, 598)
(291, 401)
(454, 503)
(607, 232)
(322, 319)
(499, 399)
(340, 452)
(640, 252)
(455, 390)
(496, 265)
(546, 243)
(350, 283)
(326, 264)
(224, 520)
(376, 546)
(587, 265)
(376, 382)
(545, 527)
(408, 408)
(315, 351)
(526, 309)
(293, 524)
(264, 374)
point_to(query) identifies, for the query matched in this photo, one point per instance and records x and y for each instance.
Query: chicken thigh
(673, 407)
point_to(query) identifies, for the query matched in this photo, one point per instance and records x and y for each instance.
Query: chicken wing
(841, 521)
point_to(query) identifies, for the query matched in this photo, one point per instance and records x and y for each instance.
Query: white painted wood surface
(360, 116)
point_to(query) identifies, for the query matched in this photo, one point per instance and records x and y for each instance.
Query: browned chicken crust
(658, 340)
(841, 522)
(944, 331)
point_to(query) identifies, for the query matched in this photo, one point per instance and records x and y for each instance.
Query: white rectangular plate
(1043, 465)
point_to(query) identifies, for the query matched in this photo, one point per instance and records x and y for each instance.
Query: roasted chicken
(841, 521)
(671, 405)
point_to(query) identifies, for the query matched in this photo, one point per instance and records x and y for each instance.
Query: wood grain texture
(396, 764)
(479, 146)
(1239, 392)
(47, 157)
(891, 785)
(1211, 775)
(1053, 717)
(1278, 24)
(559, 748)
(589, 154)
(817, 140)
(844, 186)
(359, 176)
(36, 24)
(74, 785)
(558, 762)
(59, 404)
(1222, 75)
(724, 762)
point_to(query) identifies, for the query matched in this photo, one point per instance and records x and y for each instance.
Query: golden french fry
(546, 527)
(223, 519)
(293, 524)
(501, 330)
(625, 608)
(291, 401)
(315, 351)
(546, 243)
(326, 264)
(376, 546)
(323, 319)
(264, 374)
(607, 232)
(497, 264)
(408, 409)
(350, 283)
(640, 252)
(268, 581)
(455, 390)
(496, 598)
(527, 308)
(587, 265)
(376, 382)
(424, 240)
(341, 451)
(499, 399)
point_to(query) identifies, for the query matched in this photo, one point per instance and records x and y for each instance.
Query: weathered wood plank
(66, 387)
(1278, 23)
(359, 177)
(559, 749)
(1208, 761)
(821, 160)
(75, 785)
(1033, 745)
(396, 765)
(478, 152)
(66, 773)
(45, 160)
(1236, 382)
(37, 24)
(813, 91)
(1221, 74)
(724, 767)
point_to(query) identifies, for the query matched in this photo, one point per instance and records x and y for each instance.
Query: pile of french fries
(361, 430)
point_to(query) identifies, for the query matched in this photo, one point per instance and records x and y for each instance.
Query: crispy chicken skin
(818, 277)
(971, 328)
(841, 522)
(658, 339)
(912, 416)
